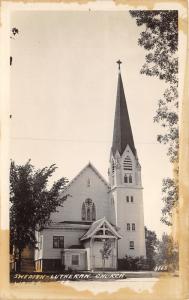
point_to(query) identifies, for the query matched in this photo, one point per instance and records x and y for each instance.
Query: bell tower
(126, 195)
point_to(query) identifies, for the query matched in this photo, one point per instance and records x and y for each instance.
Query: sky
(63, 93)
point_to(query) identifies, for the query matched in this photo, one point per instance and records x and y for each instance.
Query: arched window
(88, 214)
(93, 212)
(130, 178)
(88, 210)
(128, 226)
(83, 212)
(125, 179)
(127, 164)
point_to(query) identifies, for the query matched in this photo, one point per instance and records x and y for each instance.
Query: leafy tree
(160, 40)
(106, 251)
(167, 253)
(32, 202)
(151, 245)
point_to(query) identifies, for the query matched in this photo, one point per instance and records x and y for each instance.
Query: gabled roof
(89, 165)
(122, 135)
(96, 225)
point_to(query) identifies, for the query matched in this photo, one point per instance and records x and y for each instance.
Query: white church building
(100, 222)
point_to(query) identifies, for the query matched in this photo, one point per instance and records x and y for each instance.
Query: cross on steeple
(119, 62)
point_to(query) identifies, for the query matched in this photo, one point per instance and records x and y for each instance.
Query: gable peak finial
(119, 62)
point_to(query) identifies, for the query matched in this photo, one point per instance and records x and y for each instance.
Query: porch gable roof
(96, 225)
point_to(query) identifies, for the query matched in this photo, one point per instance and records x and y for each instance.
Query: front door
(98, 262)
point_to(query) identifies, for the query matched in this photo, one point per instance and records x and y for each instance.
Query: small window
(75, 259)
(133, 226)
(132, 199)
(130, 179)
(131, 245)
(127, 198)
(58, 242)
(88, 182)
(88, 214)
(83, 212)
(125, 179)
(93, 212)
(128, 226)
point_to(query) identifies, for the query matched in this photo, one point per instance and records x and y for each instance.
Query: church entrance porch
(101, 241)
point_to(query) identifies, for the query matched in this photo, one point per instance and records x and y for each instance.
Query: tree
(151, 245)
(167, 253)
(160, 40)
(106, 251)
(31, 203)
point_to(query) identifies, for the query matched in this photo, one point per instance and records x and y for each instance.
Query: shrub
(130, 263)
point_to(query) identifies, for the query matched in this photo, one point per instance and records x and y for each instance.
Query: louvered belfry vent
(127, 164)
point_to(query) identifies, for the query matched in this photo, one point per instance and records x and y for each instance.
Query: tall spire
(122, 135)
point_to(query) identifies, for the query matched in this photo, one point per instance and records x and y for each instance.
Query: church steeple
(125, 182)
(122, 135)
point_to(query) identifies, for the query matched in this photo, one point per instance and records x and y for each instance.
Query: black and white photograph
(94, 116)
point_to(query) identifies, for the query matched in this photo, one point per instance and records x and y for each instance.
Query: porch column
(91, 254)
(116, 253)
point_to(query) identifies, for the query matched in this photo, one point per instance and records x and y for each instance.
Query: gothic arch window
(127, 164)
(125, 179)
(130, 178)
(88, 214)
(83, 212)
(88, 210)
(93, 212)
